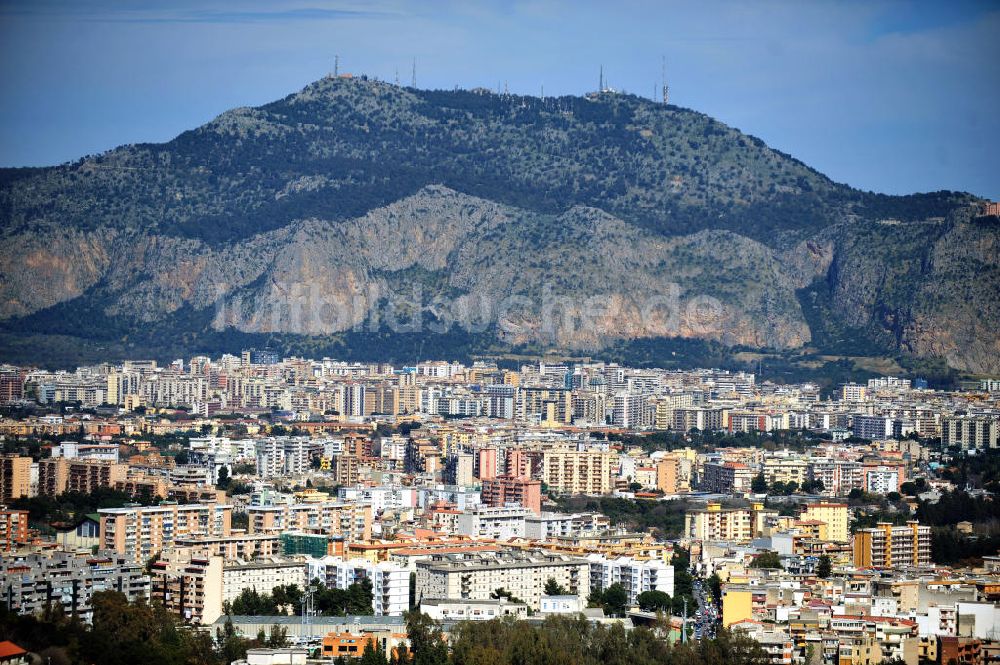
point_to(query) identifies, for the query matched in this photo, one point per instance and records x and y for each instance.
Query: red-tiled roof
(8, 649)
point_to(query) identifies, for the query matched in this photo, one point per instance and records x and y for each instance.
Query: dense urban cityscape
(499, 332)
(316, 509)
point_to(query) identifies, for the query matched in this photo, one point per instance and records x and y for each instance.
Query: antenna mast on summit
(397, 77)
(600, 87)
(336, 66)
(413, 77)
(663, 81)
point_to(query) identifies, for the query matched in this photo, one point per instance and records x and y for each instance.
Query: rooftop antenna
(663, 81)
(336, 66)
(413, 78)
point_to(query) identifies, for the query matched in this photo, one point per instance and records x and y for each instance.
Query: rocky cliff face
(366, 207)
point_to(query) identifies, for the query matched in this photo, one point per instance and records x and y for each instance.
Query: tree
(654, 601)
(758, 485)
(223, 482)
(824, 567)
(277, 638)
(767, 559)
(373, 654)
(813, 486)
(231, 645)
(427, 644)
(553, 588)
(355, 599)
(715, 586)
(615, 600)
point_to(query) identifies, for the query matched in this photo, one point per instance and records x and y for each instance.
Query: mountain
(336, 216)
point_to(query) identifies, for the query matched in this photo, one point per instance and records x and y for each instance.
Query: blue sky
(885, 95)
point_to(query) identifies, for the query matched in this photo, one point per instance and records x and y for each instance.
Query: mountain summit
(358, 212)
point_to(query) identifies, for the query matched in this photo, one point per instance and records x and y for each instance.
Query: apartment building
(970, 432)
(189, 586)
(668, 475)
(501, 523)
(475, 576)
(839, 477)
(736, 524)
(882, 478)
(634, 574)
(579, 472)
(31, 583)
(350, 520)
(853, 392)
(547, 526)
(888, 546)
(629, 410)
(835, 519)
(139, 532)
(487, 463)
(243, 547)
(282, 456)
(13, 528)
(11, 383)
(726, 477)
(390, 581)
(60, 474)
(689, 418)
(458, 470)
(503, 490)
(548, 405)
(262, 574)
(872, 427)
(15, 477)
(785, 470)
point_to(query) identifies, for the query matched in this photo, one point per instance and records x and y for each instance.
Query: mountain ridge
(350, 185)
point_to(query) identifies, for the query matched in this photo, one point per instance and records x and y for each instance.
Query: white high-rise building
(636, 575)
(282, 456)
(390, 581)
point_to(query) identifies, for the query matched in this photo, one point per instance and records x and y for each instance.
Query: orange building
(498, 492)
(13, 528)
(59, 474)
(487, 463)
(667, 473)
(15, 477)
(351, 645)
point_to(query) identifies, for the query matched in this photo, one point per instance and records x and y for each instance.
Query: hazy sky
(890, 96)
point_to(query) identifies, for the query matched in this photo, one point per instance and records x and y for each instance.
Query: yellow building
(782, 470)
(737, 604)
(579, 472)
(834, 517)
(739, 524)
